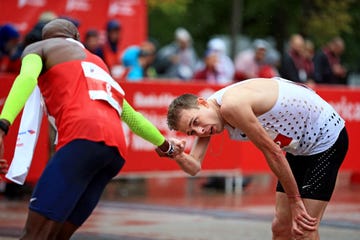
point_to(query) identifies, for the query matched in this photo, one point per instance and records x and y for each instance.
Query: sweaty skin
(240, 107)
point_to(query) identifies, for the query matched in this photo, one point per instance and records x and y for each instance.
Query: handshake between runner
(185, 161)
(176, 147)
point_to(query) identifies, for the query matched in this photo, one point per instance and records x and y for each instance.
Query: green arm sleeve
(140, 125)
(22, 87)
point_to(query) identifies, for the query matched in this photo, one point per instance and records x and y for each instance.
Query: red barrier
(346, 101)
(152, 98)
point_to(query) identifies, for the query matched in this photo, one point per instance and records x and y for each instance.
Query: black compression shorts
(316, 174)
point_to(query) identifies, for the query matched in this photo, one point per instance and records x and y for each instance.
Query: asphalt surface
(181, 209)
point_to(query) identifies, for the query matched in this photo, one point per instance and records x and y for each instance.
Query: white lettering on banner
(159, 120)
(161, 100)
(78, 5)
(36, 3)
(350, 111)
(122, 8)
(139, 144)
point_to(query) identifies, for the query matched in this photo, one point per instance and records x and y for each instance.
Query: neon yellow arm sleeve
(140, 125)
(22, 87)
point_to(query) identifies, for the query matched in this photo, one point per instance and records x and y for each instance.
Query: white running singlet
(301, 122)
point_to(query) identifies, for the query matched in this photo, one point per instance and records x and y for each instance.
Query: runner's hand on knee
(302, 221)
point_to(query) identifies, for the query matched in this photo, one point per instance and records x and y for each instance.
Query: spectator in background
(225, 66)
(110, 49)
(9, 43)
(293, 61)
(34, 35)
(208, 72)
(327, 63)
(273, 62)
(309, 52)
(137, 61)
(92, 42)
(218, 67)
(250, 63)
(178, 59)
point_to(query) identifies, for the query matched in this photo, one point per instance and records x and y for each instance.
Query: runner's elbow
(193, 170)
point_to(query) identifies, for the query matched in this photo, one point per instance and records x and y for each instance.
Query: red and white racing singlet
(102, 86)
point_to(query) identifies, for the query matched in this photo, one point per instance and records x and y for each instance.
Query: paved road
(165, 209)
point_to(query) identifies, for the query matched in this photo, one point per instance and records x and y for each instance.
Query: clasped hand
(179, 147)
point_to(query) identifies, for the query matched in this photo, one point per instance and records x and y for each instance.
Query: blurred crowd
(178, 60)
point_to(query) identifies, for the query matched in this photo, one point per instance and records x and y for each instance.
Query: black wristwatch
(171, 150)
(4, 126)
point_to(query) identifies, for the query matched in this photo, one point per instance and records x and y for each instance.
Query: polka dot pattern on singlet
(300, 121)
(298, 118)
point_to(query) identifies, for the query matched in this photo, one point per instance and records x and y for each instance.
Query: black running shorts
(316, 174)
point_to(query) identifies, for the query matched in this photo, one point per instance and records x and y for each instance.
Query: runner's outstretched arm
(22, 87)
(145, 129)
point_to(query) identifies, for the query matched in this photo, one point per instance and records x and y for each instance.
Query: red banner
(152, 98)
(91, 14)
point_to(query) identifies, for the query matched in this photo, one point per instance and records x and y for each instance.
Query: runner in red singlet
(88, 107)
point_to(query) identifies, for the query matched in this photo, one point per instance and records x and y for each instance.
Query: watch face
(171, 150)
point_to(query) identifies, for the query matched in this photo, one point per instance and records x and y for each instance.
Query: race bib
(102, 86)
(285, 143)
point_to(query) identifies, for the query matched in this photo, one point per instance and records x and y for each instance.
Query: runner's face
(202, 122)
